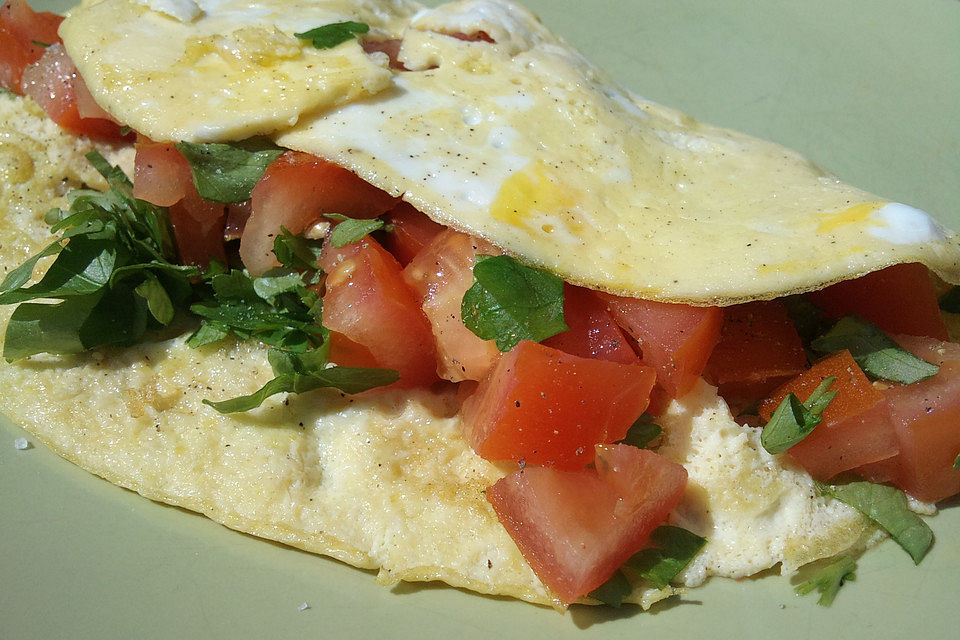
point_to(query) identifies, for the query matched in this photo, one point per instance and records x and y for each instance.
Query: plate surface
(871, 95)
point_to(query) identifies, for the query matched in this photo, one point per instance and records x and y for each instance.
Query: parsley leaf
(227, 173)
(956, 463)
(330, 35)
(115, 274)
(876, 352)
(675, 548)
(794, 420)
(613, 591)
(510, 302)
(887, 506)
(351, 230)
(642, 432)
(828, 580)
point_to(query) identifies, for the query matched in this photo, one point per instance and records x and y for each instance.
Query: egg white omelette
(520, 141)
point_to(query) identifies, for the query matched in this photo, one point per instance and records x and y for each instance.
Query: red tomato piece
(198, 226)
(676, 339)
(439, 275)
(51, 83)
(576, 528)
(856, 427)
(161, 174)
(20, 29)
(412, 231)
(546, 407)
(925, 417)
(367, 301)
(759, 349)
(296, 190)
(898, 299)
(593, 333)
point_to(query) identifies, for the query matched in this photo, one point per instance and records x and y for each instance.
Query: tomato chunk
(367, 301)
(546, 407)
(576, 528)
(20, 29)
(412, 231)
(440, 274)
(296, 190)
(898, 299)
(161, 174)
(676, 339)
(52, 83)
(759, 349)
(593, 333)
(856, 427)
(926, 418)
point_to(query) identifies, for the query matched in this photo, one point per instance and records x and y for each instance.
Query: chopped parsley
(227, 173)
(794, 420)
(331, 35)
(351, 230)
(828, 580)
(642, 432)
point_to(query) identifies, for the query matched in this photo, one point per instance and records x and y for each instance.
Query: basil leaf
(828, 580)
(642, 432)
(794, 420)
(876, 352)
(351, 230)
(887, 506)
(510, 302)
(227, 173)
(330, 35)
(659, 566)
(346, 379)
(950, 302)
(613, 591)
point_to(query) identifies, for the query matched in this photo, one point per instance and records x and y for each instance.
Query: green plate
(868, 90)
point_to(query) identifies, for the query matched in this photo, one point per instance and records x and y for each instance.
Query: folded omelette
(488, 123)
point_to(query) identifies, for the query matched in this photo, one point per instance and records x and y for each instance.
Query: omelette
(513, 138)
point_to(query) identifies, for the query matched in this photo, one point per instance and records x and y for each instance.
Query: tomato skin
(412, 232)
(367, 301)
(545, 407)
(676, 339)
(593, 332)
(576, 528)
(52, 83)
(295, 191)
(856, 427)
(161, 174)
(759, 349)
(439, 275)
(898, 299)
(20, 27)
(925, 416)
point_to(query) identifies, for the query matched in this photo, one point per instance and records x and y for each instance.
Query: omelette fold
(514, 138)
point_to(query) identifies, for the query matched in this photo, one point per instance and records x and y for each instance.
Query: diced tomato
(926, 418)
(161, 174)
(676, 339)
(576, 528)
(545, 407)
(51, 83)
(412, 231)
(856, 427)
(367, 301)
(898, 299)
(759, 349)
(21, 28)
(593, 333)
(439, 276)
(198, 226)
(296, 190)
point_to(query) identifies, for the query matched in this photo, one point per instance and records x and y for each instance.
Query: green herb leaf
(876, 352)
(659, 566)
(950, 301)
(125, 129)
(40, 44)
(510, 302)
(346, 379)
(887, 506)
(296, 252)
(227, 173)
(330, 35)
(613, 591)
(157, 299)
(6, 92)
(350, 229)
(956, 463)
(642, 432)
(828, 580)
(794, 420)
